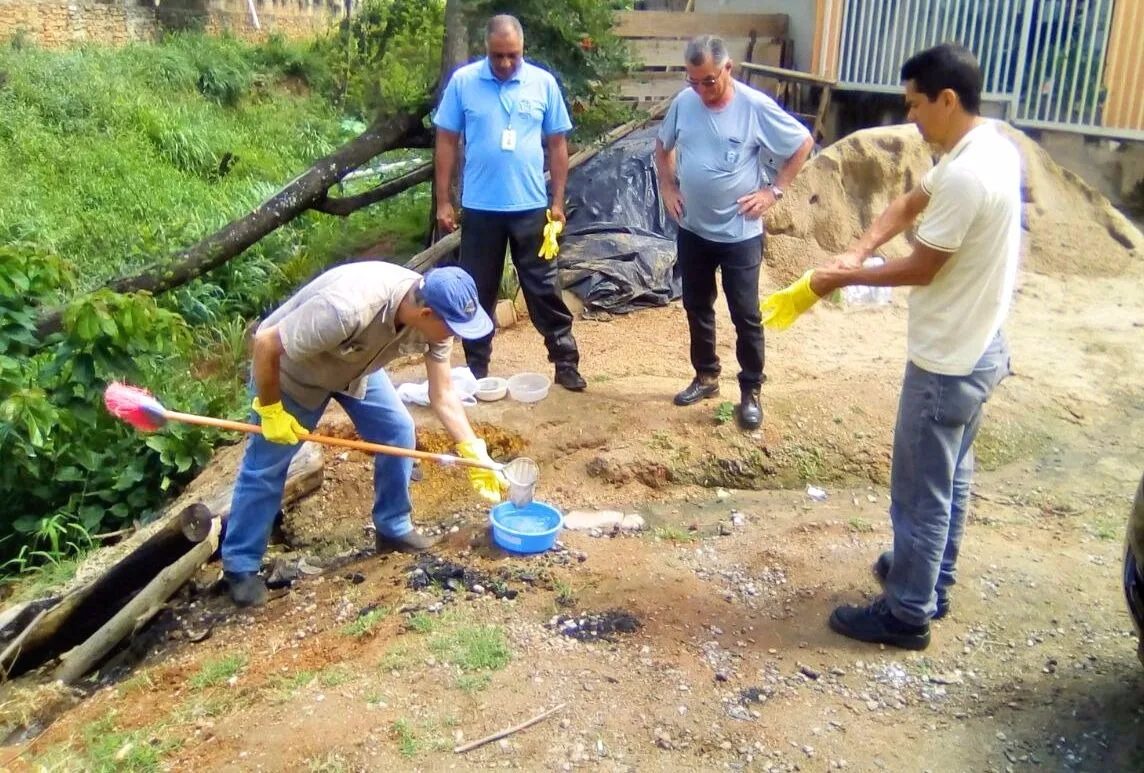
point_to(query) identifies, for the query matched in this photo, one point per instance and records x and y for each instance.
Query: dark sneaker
(697, 390)
(413, 542)
(882, 571)
(750, 411)
(246, 588)
(568, 376)
(876, 624)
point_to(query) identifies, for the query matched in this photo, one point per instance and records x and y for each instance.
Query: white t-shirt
(974, 212)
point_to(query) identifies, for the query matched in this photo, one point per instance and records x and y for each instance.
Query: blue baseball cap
(452, 295)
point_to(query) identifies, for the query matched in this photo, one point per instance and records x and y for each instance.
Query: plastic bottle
(863, 295)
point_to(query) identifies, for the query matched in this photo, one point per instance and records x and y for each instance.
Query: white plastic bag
(863, 295)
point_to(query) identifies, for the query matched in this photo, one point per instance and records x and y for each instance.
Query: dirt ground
(732, 665)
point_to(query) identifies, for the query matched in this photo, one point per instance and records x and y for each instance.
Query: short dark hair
(947, 66)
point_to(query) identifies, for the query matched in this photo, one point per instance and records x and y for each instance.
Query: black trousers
(484, 236)
(740, 263)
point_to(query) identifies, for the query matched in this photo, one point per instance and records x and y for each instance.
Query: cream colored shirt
(974, 212)
(342, 326)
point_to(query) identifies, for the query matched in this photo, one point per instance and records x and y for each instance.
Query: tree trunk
(304, 192)
(454, 53)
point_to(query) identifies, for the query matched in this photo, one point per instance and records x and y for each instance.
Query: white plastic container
(862, 295)
(491, 389)
(528, 387)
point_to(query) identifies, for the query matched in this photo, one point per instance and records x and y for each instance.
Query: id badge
(508, 140)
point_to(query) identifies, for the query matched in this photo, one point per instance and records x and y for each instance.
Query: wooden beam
(668, 52)
(673, 24)
(782, 73)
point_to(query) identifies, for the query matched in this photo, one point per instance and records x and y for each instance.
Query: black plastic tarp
(617, 253)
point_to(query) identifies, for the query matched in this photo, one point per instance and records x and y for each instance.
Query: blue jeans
(380, 417)
(938, 419)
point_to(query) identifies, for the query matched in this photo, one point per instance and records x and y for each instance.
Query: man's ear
(949, 98)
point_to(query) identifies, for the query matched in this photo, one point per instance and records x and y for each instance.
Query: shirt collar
(518, 77)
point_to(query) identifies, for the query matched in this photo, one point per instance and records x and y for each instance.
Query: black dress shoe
(876, 624)
(246, 588)
(413, 542)
(697, 390)
(568, 376)
(882, 571)
(750, 411)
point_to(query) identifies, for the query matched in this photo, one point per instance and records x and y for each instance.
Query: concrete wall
(57, 23)
(801, 13)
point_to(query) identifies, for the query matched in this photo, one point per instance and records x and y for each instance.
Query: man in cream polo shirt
(962, 271)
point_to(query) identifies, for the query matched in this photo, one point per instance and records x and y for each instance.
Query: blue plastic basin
(529, 529)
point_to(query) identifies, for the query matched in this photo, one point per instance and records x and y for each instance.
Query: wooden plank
(652, 85)
(663, 52)
(784, 74)
(669, 24)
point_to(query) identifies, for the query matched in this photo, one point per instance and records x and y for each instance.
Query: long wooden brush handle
(356, 445)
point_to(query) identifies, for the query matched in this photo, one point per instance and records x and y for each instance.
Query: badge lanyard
(508, 136)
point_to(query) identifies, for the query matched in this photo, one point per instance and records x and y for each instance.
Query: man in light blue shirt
(713, 139)
(508, 110)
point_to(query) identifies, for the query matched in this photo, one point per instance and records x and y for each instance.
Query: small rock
(738, 521)
(478, 589)
(505, 746)
(662, 739)
(808, 751)
(808, 672)
(722, 494)
(872, 705)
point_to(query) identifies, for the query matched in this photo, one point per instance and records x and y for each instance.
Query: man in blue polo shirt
(508, 110)
(709, 157)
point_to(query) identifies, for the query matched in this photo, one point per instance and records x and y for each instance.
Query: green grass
(1003, 441)
(861, 525)
(407, 741)
(473, 647)
(673, 534)
(334, 676)
(724, 412)
(215, 672)
(365, 623)
(107, 749)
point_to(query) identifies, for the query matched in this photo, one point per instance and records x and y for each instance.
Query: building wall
(57, 23)
(802, 20)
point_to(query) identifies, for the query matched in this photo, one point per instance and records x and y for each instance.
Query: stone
(505, 314)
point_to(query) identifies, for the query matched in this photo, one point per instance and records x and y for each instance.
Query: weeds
(365, 623)
(565, 594)
(860, 525)
(334, 676)
(473, 647)
(216, 672)
(724, 412)
(407, 742)
(673, 534)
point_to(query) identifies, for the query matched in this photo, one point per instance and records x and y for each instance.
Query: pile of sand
(1070, 228)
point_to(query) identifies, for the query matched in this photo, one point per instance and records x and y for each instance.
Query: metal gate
(1063, 64)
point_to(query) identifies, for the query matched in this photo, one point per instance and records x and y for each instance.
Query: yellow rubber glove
(278, 426)
(549, 248)
(490, 484)
(781, 309)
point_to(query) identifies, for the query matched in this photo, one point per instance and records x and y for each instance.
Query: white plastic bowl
(528, 387)
(491, 389)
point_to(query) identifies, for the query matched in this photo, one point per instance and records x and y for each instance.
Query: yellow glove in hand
(490, 484)
(549, 248)
(781, 309)
(278, 426)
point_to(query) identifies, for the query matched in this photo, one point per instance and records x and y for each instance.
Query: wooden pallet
(660, 37)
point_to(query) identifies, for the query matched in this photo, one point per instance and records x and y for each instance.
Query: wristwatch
(778, 192)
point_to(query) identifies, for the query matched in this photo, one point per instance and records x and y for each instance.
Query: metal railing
(1064, 64)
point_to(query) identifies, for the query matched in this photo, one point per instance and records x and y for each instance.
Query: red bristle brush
(141, 410)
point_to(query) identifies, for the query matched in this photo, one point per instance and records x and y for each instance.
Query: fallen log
(112, 576)
(137, 612)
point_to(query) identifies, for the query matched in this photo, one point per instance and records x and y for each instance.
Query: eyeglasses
(709, 81)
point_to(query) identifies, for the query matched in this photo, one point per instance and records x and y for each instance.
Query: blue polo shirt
(480, 108)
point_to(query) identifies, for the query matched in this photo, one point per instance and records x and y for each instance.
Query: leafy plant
(724, 412)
